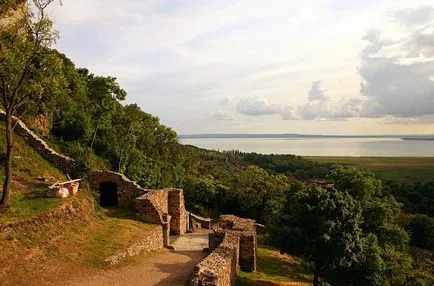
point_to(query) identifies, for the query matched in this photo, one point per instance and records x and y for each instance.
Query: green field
(401, 169)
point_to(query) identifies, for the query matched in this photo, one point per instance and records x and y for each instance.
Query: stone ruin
(115, 189)
(233, 245)
(164, 206)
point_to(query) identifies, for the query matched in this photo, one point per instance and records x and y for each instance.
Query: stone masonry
(233, 246)
(164, 206)
(152, 241)
(59, 160)
(178, 223)
(127, 190)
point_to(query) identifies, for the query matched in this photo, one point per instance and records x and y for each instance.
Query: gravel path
(163, 268)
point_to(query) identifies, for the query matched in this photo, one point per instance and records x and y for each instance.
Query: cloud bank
(397, 78)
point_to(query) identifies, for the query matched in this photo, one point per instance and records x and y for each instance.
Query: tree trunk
(6, 197)
(93, 139)
(315, 278)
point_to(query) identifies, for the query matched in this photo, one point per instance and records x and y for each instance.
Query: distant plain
(401, 169)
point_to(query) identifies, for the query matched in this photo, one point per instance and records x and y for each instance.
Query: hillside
(47, 239)
(28, 197)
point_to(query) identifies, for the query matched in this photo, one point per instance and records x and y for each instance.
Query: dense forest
(351, 227)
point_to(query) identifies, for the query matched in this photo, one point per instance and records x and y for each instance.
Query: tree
(27, 66)
(379, 212)
(323, 226)
(257, 194)
(104, 95)
(422, 232)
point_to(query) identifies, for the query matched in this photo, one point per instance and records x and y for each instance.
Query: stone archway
(108, 194)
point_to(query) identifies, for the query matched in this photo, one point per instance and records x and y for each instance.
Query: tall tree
(104, 96)
(27, 65)
(323, 226)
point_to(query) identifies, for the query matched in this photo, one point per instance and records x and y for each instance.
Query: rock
(56, 191)
(45, 178)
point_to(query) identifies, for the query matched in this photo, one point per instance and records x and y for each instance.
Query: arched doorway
(108, 194)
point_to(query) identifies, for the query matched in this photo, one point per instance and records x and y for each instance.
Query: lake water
(384, 147)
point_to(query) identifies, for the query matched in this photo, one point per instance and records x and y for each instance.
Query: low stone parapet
(204, 222)
(152, 241)
(220, 267)
(233, 246)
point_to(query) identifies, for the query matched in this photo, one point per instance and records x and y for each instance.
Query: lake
(381, 147)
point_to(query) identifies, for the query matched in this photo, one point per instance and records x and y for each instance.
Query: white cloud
(220, 115)
(178, 58)
(225, 101)
(257, 106)
(316, 93)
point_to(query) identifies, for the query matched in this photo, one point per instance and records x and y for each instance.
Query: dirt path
(163, 268)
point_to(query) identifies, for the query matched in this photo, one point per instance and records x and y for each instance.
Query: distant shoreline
(418, 139)
(424, 137)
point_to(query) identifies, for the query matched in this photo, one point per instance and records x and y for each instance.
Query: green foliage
(355, 209)
(421, 229)
(323, 226)
(416, 198)
(28, 68)
(291, 165)
(257, 194)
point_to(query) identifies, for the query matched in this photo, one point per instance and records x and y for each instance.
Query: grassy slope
(274, 268)
(50, 254)
(28, 194)
(401, 169)
(54, 252)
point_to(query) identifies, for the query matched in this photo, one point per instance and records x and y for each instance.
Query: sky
(256, 66)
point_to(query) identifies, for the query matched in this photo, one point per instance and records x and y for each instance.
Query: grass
(29, 204)
(274, 268)
(90, 245)
(27, 192)
(58, 250)
(400, 169)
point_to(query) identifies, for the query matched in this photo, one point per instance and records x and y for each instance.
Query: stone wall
(163, 206)
(233, 245)
(152, 206)
(59, 160)
(204, 222)
(152, 241)
(178, 223)
(127, 190)
(220, 267)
